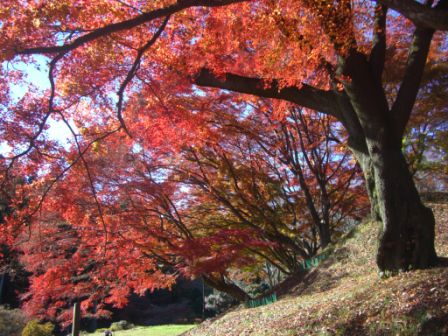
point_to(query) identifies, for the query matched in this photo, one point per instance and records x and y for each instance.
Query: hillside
(345, 296)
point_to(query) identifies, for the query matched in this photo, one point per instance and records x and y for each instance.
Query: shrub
(34, 328)
(121, 325)
(12, 322)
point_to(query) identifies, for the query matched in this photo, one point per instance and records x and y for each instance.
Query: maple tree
(119, 91)
(257, 172)
(312, 148)
(352, 66)
(202, 211)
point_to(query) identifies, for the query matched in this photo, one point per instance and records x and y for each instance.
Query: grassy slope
(345, 296)
(165, 330)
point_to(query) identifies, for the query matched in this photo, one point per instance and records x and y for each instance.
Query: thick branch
(422, 16)
(378, 55)
(410, 85)
(306, 96)
(127, 24)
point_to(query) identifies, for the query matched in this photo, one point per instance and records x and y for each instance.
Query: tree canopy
(204, 136)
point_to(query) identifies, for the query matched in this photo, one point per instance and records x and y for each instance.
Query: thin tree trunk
(2, 285)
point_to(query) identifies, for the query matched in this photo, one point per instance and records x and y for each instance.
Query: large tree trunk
(406, 238)
(407, 234)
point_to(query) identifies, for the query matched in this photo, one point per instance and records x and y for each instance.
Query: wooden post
(94, 324)
(76, 318)
(2, 285)
(203, 299)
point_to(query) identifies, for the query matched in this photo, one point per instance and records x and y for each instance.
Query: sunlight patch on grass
(163, 330)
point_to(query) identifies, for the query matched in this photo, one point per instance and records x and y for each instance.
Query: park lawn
(163, 330)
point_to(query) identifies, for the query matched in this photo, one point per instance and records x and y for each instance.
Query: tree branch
(422, 16)
(125, 25)
(378, 54)
(133, 71)
(407, 94)
(66, 169)
(306, 96)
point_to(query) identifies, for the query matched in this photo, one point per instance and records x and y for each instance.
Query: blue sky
(38, 75)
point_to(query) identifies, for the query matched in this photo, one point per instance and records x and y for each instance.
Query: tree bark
(406, 238)
(366, 164)
(407, 234)
(324, 233)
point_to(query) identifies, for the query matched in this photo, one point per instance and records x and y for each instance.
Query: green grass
(163, 330)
